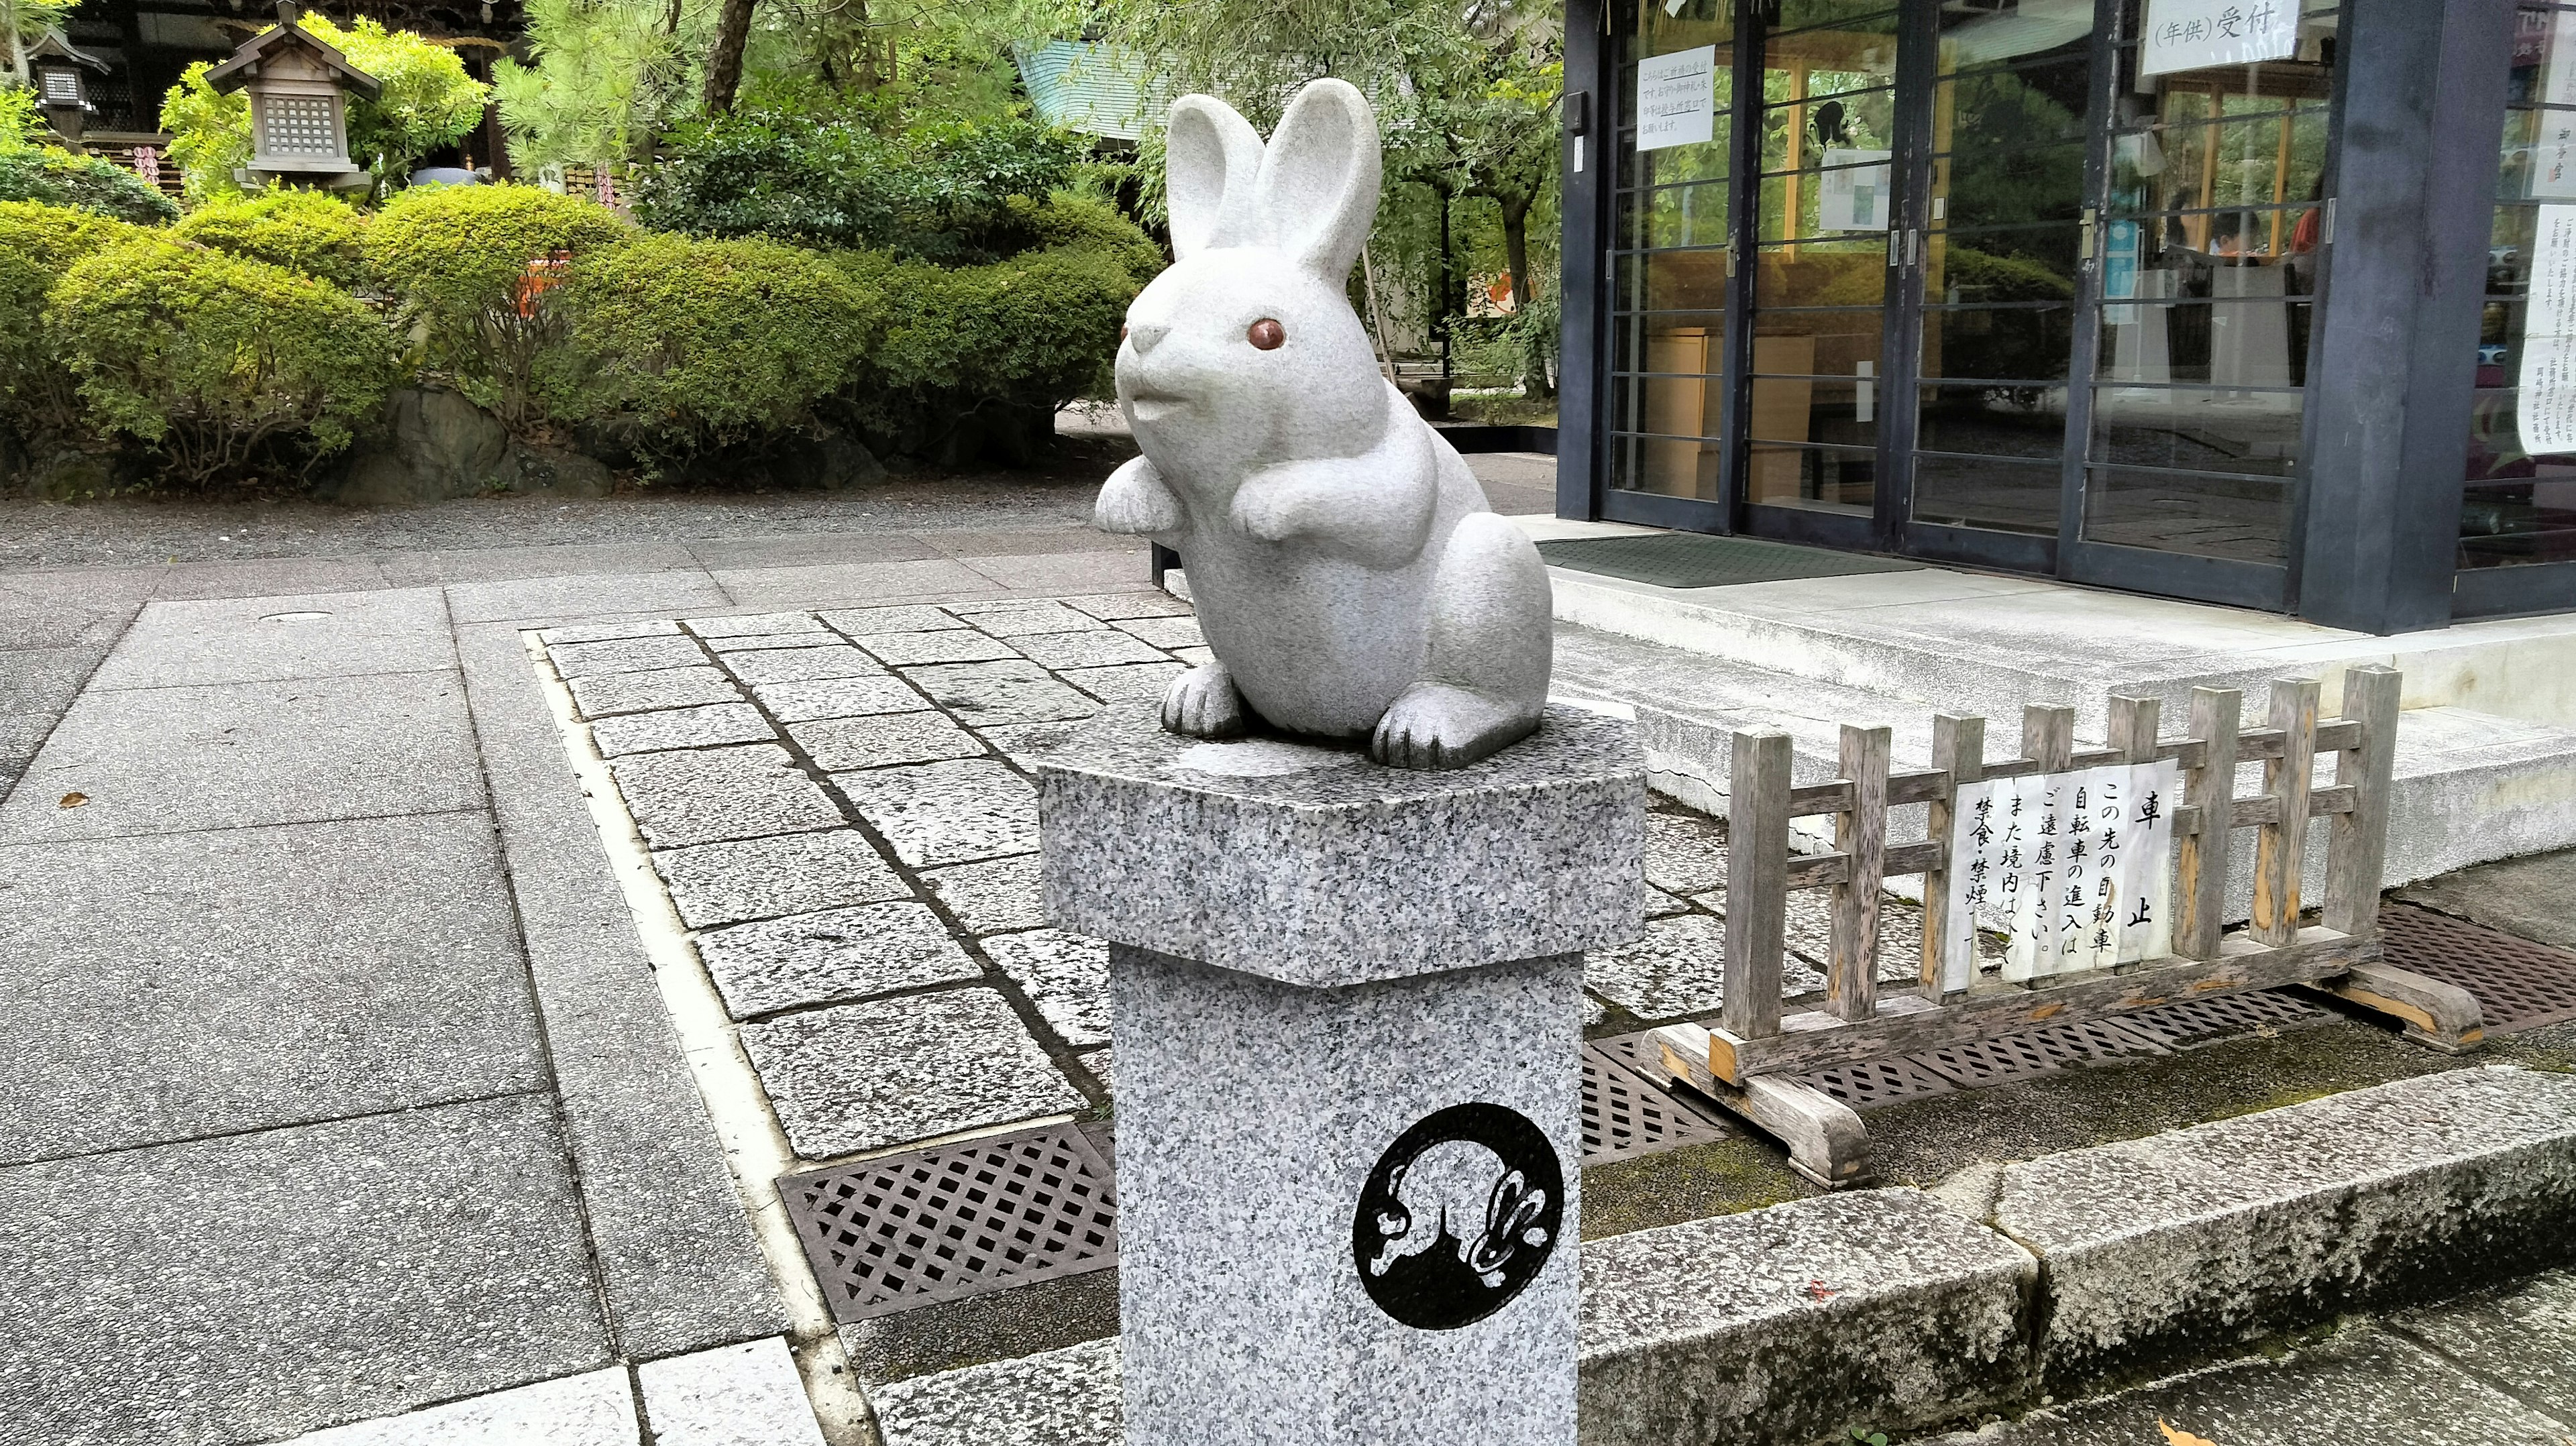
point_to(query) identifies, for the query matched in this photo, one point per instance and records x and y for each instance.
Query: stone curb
(1891, 1309)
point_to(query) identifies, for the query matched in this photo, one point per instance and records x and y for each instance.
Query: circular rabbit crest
(1459, 1216)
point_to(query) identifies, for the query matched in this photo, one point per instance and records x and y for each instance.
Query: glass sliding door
(2003, 252)
(1825, 208)
(1670, 272)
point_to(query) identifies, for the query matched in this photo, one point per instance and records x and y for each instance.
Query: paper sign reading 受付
(2190, 34)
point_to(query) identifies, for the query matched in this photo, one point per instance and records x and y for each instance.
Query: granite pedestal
(1346, 1004)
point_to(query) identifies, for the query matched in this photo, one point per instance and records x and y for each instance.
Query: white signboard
(1853, 198)
(1676, 98)
(2076, 867)
(2190, 34)
(2545, 411)
(2553, 150)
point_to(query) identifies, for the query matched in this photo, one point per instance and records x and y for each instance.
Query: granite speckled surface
(725, 883)
(993, 897)
(865, 1076)
(624, 655)
(679, 799)
(1243, 1316)
(831, 957)
(800, 702)
(711, 725)
(1343, 871)
(947, 813)
(1012, 690)
(603, 694)
(1065, 975)
(883, 740)
(1066, 1397)
(802, 665)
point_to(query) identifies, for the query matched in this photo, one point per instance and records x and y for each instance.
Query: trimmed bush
(38, 243)
(227, 367)
(472, 266)
(303, 231)
(705, 343)
(59, 178)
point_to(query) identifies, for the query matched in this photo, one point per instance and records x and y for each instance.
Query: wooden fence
(1748, 1058)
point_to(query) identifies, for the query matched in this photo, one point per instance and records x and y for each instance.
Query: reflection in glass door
(1827, 200)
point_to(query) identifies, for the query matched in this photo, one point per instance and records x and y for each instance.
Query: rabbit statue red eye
(1266, 334)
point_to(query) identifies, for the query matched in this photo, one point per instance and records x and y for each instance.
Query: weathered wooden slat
(1814, 1039)
(2048, 738)
(1860, 835)
(1756, 894)
(1959, 758)
(2357, 844)
(2200, 856)
(1816, 871)
(2281, 845)
(2247, 812)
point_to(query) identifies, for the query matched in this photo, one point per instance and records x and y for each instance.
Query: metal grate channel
(1875, 1082)
(2030, 1052)
(955, 1220)
(2191, 1023)
(2518, 984)
(1626, 1115)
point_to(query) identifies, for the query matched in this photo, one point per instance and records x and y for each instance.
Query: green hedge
(227, 368)
(303, 231)
(86, 183)
(38, 244)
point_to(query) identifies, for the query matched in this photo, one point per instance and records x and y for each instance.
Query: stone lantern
(62, 91)
(299, 115)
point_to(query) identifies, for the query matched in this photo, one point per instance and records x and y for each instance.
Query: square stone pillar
(1347, 1014)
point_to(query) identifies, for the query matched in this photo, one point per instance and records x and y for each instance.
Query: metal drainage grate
(2029, 1052)
(1875, 1082)
(955, 1220)
(1626, 1114)
(2191, 1023)
(2519, 984)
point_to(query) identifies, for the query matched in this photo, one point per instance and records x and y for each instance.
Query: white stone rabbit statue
(1349, 576)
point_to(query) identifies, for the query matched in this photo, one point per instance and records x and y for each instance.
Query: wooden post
(2200, 857)
(1757, 883)
(1860, 834)
(2357, 842)
(2133, 737)
(2281, 845)
(2048, 737)
(1958, 749)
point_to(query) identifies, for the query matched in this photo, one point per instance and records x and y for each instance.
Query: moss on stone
(1724, 1177)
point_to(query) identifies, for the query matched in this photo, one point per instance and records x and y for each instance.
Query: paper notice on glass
(1676, 98)
(1851, 195)
(2190, 34)
(2545, 409)
(2075, 868)
(2553, 150)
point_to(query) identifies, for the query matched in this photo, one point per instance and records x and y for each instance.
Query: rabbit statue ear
(1211, 157)
(1317, 192)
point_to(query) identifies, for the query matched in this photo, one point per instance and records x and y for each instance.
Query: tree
(426, 101)
(724, 65)
(23, 23)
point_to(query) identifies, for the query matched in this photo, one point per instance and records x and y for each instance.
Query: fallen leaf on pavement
(2181, 1438)
(74, 800)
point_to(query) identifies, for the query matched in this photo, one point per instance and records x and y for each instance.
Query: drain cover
(2190, 1023)
(2519, 984)
(1875, 1082)
(955, 1220)
(2029, 1052)
(1626, 1115)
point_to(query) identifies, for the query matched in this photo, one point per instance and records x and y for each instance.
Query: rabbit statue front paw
(1203, 703)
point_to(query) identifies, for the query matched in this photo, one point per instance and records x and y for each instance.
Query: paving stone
(170, 986)
(755, 625)
(608, 632)
(1685, 853)
(745, 1395)
(1063, 1397)
(1119, 606)
(947, 813)
(802, 665)
(918, 619)
(724, 883)
(584, 594)
(595, 1409)
(1661, 905)
(37, 686)
(2522, 1337)
(774, 642)
(1065, 975)
(964, 645)
(1004, 692)
(1678, 969)
(1056, 574)
(233, 755)
(606, 694)
(1022, 741)
(268, 577)
(252, 639)
(831, 957)
(1195, 657)
(837, 744)
(626, 655)
(1167, 633)
(1099, 1061)
(2191, 1239)
(254, 1286)
(1901, 1314)
(837, 698)
(706, 727)
(859, 582)
(678, 799)
(1020, 617)
(866, 1076)
(1126, 682)
(993, 897)
(1088, 650)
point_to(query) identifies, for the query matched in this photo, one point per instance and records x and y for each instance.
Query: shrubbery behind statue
(1350, 579)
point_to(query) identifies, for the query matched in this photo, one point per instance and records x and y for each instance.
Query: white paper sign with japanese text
(2076, 869)
(1677, 98)
(1852, 193)
(2190, 34)
(2545, 411)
